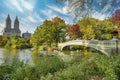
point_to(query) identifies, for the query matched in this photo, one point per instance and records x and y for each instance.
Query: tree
(42, 34)
(13, 42)
(74, 31)
(59, 30)
(116, 20)
(116, 17)
(88, 25)
(101, 28)
(106, 28)
(3, 41)
(51, 31)
(89, 32)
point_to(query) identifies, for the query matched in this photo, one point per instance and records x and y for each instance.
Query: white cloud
(17, 5)
(62, 10)
(30, 22)
(1, 27)
(51, 14)
(108, 6)
(48, 13)
(53, 10)
(99, 15)
(26, 26)
(68, 20)
(28, 4)
(2, 22)
(32, 18)
(21, 5)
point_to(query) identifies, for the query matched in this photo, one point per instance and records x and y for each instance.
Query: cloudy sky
(32, 13)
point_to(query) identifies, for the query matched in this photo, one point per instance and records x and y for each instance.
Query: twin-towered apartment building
(15, 31)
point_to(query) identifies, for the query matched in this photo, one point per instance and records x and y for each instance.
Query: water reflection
(25, 56)
(2, 56)
(22, 55)
(29, 56)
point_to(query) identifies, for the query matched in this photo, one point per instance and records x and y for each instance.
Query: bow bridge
(105, 46)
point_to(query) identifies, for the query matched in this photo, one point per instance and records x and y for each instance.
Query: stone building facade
(26, 35)
(8, 30)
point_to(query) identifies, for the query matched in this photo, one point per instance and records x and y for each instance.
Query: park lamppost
(115, 33)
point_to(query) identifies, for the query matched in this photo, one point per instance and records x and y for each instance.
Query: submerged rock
(43, 54)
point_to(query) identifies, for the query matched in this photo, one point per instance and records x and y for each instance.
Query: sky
(32, 13)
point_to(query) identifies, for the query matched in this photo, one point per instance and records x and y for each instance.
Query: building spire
(8, 17)
(16, 19)
(8, 23)
(16, 24)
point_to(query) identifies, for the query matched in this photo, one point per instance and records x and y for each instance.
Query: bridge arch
(95, 44)
(104, 52)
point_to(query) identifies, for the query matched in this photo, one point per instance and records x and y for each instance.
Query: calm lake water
(27, 56)
(23, 55)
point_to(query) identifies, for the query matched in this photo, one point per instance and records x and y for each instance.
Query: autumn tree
(43, 34)
(74, 31)
(101, 28)
(59, 30)
(49, 33)
(116, 17)
(87, 27)
(116, 20)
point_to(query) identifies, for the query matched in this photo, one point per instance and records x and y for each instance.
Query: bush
(95, 67)
(5, 72)
(49, 65)
(20, 71)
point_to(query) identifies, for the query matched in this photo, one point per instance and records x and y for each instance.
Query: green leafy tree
(3, 41)
(12, 42)
(87, 27)
(59, 30)
(89, 32)
(49, 33)
(37, 37)
(16, 42)
(104, 29)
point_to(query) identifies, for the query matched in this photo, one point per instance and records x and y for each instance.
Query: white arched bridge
(105, 46)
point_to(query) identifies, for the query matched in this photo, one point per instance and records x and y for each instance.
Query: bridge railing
(106, 43)
(110, 43)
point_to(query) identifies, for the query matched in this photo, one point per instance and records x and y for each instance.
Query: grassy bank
(81, 67)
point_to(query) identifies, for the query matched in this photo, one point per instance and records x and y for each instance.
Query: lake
(27, 56)
(23, 55)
